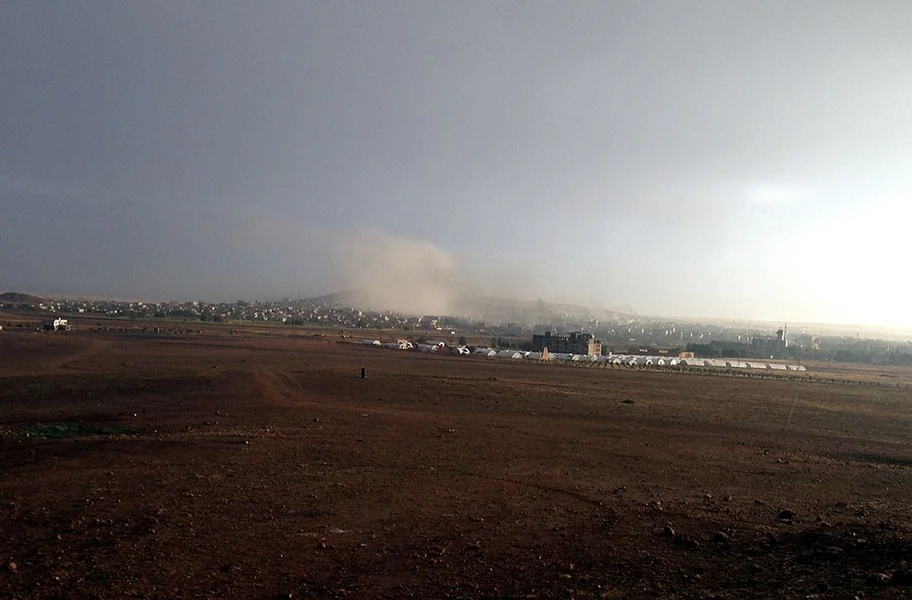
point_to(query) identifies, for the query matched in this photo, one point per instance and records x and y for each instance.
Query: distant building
(575, 342)
(769, 346)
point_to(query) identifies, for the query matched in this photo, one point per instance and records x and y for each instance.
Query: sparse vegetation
(72, 429)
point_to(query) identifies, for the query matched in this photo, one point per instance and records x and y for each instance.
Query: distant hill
(490, 309)
(17, 298)
(345, 298)
(528, 312)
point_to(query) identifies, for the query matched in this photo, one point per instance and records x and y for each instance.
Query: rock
(878, 579)
(283, 596)
(786, 514)
(668, 530)
(901, 577)
(227, 568)
(834, 551)
(721, 537)
(12, 566)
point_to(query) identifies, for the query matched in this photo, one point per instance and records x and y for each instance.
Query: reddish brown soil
(259, 465)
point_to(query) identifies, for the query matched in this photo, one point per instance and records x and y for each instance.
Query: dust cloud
(409, 276)
(398, 274)
(383, 272)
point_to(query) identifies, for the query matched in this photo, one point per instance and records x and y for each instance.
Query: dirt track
(254, 466)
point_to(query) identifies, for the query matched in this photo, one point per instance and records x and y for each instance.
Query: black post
(363, 373)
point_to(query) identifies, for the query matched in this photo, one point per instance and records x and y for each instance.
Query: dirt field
(254, 465)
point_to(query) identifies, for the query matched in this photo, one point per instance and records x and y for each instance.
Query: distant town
(492, 326)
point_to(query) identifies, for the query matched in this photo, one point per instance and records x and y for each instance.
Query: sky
(736, 160)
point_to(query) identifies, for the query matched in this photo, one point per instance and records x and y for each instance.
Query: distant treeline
(724, 349)
(846, 350)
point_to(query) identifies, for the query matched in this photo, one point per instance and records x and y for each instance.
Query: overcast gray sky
(729, 159)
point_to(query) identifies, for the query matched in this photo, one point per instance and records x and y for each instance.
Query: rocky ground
(257, 465)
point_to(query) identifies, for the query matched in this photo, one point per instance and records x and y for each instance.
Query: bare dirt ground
(256, 465)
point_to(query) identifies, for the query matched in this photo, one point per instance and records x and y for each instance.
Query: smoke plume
(393, 273)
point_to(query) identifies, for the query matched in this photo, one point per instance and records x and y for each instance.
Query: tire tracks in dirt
(95, 346)
(580, 496)
(279, 386)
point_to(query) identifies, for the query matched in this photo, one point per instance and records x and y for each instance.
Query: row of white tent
(721, 363)
(629, 360)
(642, 361)
(406, 345)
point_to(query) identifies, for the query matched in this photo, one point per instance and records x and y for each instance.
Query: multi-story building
(575, 342)
(771, 347)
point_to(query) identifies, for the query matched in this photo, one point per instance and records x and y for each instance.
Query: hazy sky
(730, 159)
